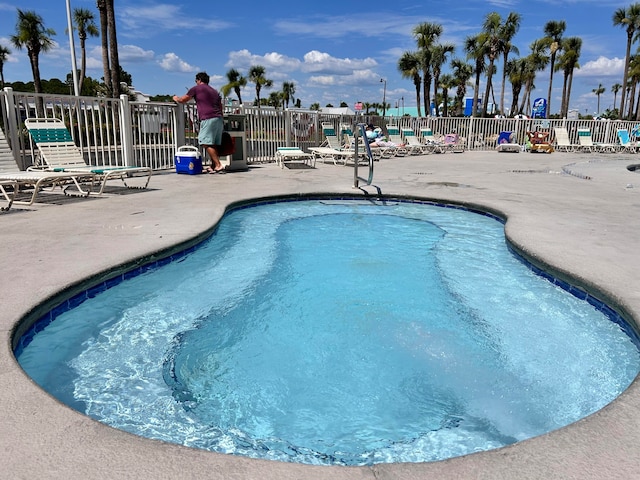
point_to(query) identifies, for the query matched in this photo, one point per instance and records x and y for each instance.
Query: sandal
(222, 170)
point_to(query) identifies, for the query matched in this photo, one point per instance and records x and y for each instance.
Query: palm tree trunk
(83, 63)
(476, 91)
(113, 49)
(104, 37)
(625, 74)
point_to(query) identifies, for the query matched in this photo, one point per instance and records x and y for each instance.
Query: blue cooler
(188, 160)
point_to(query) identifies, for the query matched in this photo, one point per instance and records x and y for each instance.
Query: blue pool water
(336, 332)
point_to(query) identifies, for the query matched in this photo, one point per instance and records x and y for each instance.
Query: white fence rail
(120, 132)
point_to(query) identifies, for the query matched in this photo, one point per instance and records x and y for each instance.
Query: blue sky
(332, 50)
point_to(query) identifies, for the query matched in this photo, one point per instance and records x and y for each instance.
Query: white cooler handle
(185, 148)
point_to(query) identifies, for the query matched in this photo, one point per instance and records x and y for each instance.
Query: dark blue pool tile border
(76, 300)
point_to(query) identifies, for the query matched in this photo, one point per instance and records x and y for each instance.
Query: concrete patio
(577, 214)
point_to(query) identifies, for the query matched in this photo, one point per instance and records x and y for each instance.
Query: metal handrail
(361, 128)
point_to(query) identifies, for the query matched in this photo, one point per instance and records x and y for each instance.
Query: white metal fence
(120, 132)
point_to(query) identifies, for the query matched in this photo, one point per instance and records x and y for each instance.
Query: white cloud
(602, 67)
(172, 63)
(320, 62)
(148, 20)
(244, 59)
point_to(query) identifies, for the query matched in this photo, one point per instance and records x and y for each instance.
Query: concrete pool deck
(577, 213)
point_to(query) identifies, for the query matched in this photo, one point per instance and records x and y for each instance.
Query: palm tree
(517, 73)
(492, 46)
(256, 76)
(32, 34)
(235, 82)
(462, 73)
(446, 82)
(599, 91)
(629, 19)
(4, 54)
(113, 49)
(475, 51)
(86, 26)
(438, 58)
(288, 89)
(553, 31)
(507, 32)
(634, 78)
(615, 88)
(409, 67)
(104, 38)
(537, 60)
(568, 62)
(426, 34)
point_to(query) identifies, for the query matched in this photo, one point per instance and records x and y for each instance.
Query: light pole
(384, 97)
(74, 70)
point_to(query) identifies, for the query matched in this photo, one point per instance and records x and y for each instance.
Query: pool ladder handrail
(361, 128)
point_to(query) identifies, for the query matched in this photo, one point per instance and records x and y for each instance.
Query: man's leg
(215, 159)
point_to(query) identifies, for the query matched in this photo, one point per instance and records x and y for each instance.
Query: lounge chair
(39, 179)
(626, 145)
(58, 153)
(539, 142)
(563, 144)
(506, 143)
(294, 155)
(8, 189)
(411, 142)
(453, 143)
(394, 136)
(588, 145)
(434, 144)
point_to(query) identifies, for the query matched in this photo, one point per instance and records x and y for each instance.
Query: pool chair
(411, 142)
(58, 153)
(77, 184)
(453, 143)
(506, 143)
(563, 144)
(538, 141)
(588, 145)
(433, 144)
(294, 155)
(394, 136)
(626, 145)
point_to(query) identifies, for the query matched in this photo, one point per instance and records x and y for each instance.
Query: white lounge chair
(588, 145)
(394, 136)
(433, 144)
(563, 143)
(58, 153)
(626, 145)
(411, 142)
(39, 179)
(294, 155)
(506, 143)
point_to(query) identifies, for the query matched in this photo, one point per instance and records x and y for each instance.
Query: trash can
(235, 125)
(188, 160)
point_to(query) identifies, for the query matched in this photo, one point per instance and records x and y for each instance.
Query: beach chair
(453, 143)
(433, 144)
(411, 142)
(400, 149)
(506, 143)
(588, 145)
(626, 145)
(563, 144)
(77, 184)
(58, 153)
(294, 155)
(539, 142)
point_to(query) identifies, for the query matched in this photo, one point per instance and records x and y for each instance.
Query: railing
(361, 131)
(120, 132)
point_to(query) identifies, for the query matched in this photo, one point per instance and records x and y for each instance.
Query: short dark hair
(203, 77)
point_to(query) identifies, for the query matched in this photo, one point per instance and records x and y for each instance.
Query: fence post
(471, 140)
(287, 126)
(13, 126)
(126, 131)
(179, 136)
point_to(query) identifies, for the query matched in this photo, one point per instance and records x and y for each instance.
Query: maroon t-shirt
(208, 101)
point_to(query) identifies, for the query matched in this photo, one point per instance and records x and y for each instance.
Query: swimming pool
(341, 350)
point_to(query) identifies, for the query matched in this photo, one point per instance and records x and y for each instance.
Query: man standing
(209, 105)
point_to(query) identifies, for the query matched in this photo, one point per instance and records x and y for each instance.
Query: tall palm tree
(553, 31)
(599, 91)
(475, 51)
(568, 62)
(113, 49)
(615, 88)
(288, 89)
(32, 34)
(629, 19)
(409, 67)
(462, 73)
(446, 82)
(492, 46)
(426, 34)
(517, 73)
(4, 54)
(507, 32)
(235, 82)
(256, 76)
(634, 78)
(104, 40)
(438, 58)
(85, 24)
(537, 60)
